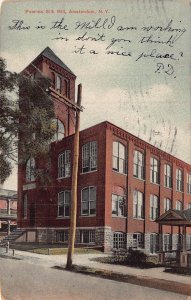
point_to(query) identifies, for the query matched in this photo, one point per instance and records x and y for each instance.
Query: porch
(182, 255)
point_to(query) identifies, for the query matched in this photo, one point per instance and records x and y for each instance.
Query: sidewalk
(147, 275)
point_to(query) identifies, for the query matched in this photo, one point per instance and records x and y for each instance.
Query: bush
(136, 257)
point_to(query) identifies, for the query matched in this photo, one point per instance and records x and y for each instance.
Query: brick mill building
(124, 183)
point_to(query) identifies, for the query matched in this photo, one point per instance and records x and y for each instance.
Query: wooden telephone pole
(77, 107)
(74, 183)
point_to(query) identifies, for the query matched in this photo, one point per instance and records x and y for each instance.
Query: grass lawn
(51, 249)
(59, 251)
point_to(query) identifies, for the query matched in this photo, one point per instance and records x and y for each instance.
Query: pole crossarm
(67, 101)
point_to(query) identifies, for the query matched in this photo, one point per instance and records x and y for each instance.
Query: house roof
(48, 53)
(175, 217)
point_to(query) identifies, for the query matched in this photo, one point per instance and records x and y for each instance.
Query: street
(22, 280)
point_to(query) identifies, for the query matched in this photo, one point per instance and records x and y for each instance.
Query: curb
(160, 284)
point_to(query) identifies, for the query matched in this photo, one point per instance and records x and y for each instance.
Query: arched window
(59, 129)
(30, 169)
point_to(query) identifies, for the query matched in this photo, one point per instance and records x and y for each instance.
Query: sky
(131, 56)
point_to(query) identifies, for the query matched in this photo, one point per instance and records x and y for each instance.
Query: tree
(26, 111)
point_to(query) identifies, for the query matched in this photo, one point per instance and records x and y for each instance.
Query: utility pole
(74, 183)
(77, 108)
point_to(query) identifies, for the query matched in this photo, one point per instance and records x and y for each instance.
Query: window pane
(115, 148)
(114, 205)
(85, 195)
(121, 151)
(67, 197)
(92, 207)
(67, 211)
(85, 208)
(92, 193)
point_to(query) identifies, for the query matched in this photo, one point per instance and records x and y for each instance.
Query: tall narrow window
(179, 205)
(154, 207)
(64, 200)
(64, 164)
(167, 176)
(154, 170)
(119, 157)
(167, 242)
(138, 209)
(138, 240)
(189, 183)
(179, 180)
(118, 205)
(59, 129)
(30, 169)
(138, 168)
(167, 204)
(58, 83)
(89, 157)
(88, 201)
(154, 243)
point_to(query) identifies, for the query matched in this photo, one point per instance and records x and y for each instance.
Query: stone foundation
(103, 238)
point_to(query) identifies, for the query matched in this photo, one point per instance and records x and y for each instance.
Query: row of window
(119, 241)
(119, 208)
(138, 205)
(120, 165)
(86, 236)
(88, 202)
(89, 164)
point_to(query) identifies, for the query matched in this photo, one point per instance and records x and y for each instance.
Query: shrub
(136, 257)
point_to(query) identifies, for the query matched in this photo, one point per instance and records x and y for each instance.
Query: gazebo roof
(174, 217)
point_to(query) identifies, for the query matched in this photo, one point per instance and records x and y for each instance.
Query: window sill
(61, 217)
(140, 219)
(89, 216)
(121, 217)
(155, 183)
(167, 187)
(179, 191)
(119, 172)
(60, 178)
(83, 173)
(139, 178)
